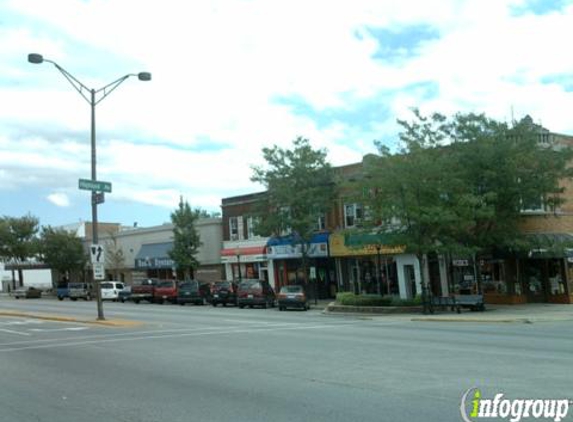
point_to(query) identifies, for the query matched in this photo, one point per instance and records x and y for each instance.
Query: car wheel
(264, 305)
(74, 298)
(224, 304)
(182, 303)
(281, 308)
(136, 301)
(241, 306)
(60, 298)
(214, 304)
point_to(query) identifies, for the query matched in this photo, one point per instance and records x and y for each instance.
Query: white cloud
(218, 68)
(59, 199)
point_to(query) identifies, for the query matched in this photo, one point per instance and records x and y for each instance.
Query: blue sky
(233, 76)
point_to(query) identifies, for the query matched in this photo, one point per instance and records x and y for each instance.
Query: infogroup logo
(474, 407)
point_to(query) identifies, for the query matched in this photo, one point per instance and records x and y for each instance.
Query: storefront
(152, 261)
(244, 260)
(285, 257)
(365, 264)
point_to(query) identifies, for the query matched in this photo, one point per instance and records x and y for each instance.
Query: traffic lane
(32, 328)
(366, 371)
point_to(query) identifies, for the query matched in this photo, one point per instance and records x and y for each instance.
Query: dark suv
(253, 292)
(193, 291)
(224, 292)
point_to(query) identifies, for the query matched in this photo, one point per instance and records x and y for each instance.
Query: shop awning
(550, 245)
(285, 247)
(360, 244)
(154, 255)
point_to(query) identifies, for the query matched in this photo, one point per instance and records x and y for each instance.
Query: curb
(107, 323)
(486, 321)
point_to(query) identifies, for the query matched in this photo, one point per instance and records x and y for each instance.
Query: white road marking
(236, 330)
(5, 330)
(46, 330)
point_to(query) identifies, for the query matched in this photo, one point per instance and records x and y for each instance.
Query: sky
(230, 77)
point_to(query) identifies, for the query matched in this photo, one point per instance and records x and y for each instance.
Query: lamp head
(144, 76)
(35, 58)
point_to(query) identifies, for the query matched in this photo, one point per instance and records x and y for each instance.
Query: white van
(110, 289)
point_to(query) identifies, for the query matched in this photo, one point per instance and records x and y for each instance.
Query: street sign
(99, 198)
(99, 271)
(94, 185)
(97, 254)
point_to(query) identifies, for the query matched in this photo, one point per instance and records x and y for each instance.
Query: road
(226, 364)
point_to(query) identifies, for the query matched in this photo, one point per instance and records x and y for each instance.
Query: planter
(500, 299)
(333, 307)
(561, 298)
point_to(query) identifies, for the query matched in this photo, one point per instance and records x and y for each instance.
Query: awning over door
(154, 256)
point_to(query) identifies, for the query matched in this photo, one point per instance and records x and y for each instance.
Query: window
(353, 214)
(236, 228)
(320, 223)
(251, 224)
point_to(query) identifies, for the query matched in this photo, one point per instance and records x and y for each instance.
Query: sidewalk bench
(444, 302)
(473, 302)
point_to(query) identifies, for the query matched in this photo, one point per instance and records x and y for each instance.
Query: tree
(62, 251)
(300, 190)
(186, 239)
(115, 258)
(18, 240)
(459, 184)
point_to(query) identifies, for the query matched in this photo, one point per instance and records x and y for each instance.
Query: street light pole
(93, 101)
(238, 253)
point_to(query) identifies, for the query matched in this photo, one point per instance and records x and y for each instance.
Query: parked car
(252, 292)
(125, 294)
(194, 291)
(143, 290)
(62, 290)
(110, 290)
(224, 292)
(165, 290)
(27, 293)
(292, 297)
(79, 291)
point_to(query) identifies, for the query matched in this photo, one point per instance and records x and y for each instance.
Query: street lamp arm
(80, 87)
(106, 90)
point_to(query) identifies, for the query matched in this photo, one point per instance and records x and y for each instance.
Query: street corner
(118, 323)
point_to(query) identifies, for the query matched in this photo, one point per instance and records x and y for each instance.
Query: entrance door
(410, 278)
(535, 280)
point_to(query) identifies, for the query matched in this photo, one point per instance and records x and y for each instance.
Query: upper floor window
(236, 228)
(353, 214)
(251, 225)
(320, 223)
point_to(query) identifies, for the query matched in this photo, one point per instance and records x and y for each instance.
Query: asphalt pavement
(200, 363)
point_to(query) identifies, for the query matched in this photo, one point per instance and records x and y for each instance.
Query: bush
(350, 299)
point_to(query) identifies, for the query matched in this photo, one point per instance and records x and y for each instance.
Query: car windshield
(165, 284)
(222, 286)
(291, 289)
(249, 285)
(107, 285)
(189, 285)
(148, 282)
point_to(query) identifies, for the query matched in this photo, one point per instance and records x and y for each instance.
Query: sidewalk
(528, 314)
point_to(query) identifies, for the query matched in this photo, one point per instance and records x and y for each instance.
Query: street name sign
(94, 185)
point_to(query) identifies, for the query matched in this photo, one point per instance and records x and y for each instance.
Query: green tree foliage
(459, 184)
(186, 239)
(62, 251)
(18, 239)
(300, 189)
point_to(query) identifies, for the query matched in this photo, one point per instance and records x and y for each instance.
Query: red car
(166, 290)
(252, 292)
